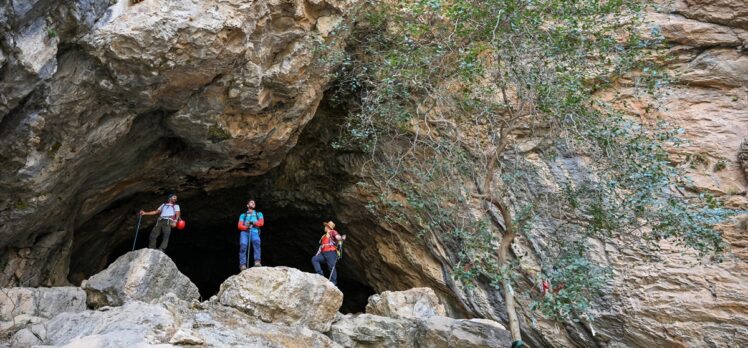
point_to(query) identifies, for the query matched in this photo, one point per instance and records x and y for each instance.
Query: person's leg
(154, 235)
(243, 241)
(316, 260)
(256, 248)
(332, 258)
(166, 231)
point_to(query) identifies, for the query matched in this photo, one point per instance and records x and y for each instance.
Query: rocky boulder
(283, 295)
(144, 275)
(171, 321)
(413, 303)
(366, 330)
(22, 309)
(446, 332)
(40, 302)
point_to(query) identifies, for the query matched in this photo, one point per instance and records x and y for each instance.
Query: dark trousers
(162, 227)
(331, 257)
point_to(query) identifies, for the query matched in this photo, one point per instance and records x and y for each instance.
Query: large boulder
(40, 302)
(283, 295)
(170, 321)
(22, 310)
(413, 303)
(366, 330)
(438, 332)
(144, 275)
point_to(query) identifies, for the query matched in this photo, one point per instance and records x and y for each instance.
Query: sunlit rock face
(101, 101)
(104, 108)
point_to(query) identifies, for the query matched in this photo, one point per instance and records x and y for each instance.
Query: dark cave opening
(294, 198)
(207, 250)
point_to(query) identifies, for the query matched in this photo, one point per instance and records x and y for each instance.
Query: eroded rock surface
(172, 321)
(413, 303)
(283, 295)
(367, 330)
(23, 309)
(143, 275)
(102, 99)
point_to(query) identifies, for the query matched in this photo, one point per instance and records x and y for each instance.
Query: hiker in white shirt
(168, 216)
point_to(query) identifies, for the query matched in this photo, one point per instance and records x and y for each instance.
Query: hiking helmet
(181, 224)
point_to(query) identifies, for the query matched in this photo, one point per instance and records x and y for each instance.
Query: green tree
(451, 97)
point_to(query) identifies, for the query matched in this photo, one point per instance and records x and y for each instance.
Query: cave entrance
(207, 250)
(295, 197)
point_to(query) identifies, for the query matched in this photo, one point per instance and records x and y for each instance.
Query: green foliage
(437, 88)
(216, 133)
(52, 150)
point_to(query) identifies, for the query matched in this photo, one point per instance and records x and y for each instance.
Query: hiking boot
(257, 263)
(242, 267)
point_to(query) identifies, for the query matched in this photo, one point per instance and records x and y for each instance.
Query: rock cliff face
(101, 101)
(105, 106)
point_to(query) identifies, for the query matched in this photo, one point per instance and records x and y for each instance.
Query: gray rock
(40, 302)
(413, 303)
(438, 331)
(366, 330)
(25, 338)
(135, 323)
(283, 295)
(172, 321)
(144, 275)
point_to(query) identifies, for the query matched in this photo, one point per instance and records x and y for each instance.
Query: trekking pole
(137, 229)
(340, 256)
(332, 272)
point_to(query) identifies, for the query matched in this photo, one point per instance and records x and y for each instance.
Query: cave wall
(124, 103)
(103, 100)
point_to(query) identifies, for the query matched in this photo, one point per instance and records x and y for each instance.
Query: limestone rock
(144, 275)
(743, 157)
(681, 30)
(717, 67)
(220, 326)
(413, 303)
(40, 302)
(438, 331)
(725, 12)
(366, 330)
(172, 321)
(283, 295)
(101, 100)
(134, 323)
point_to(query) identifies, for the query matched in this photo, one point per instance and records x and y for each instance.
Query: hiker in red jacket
(328, 251)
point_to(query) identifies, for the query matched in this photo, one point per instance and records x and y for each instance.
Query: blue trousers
(244, 238)
(331, 258)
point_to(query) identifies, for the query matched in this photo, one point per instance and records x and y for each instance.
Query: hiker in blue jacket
(249, 229)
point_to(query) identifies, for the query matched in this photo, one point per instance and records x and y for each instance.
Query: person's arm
(178, 214)
(339, 237)
(152, 212)
(241, 225)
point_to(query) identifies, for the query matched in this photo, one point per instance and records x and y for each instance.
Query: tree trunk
(511, 312)
(507, 236)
